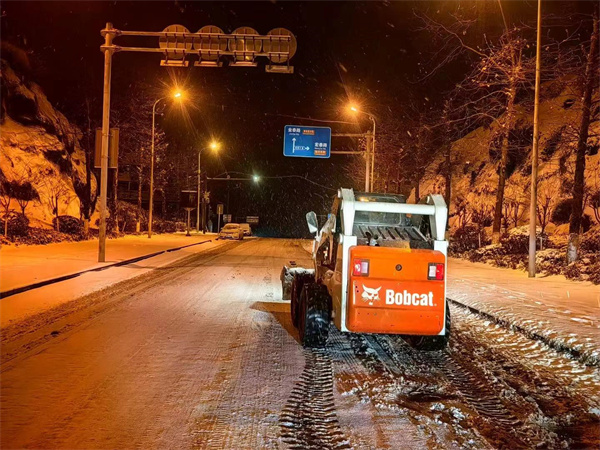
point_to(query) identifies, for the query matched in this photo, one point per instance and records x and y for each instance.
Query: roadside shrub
(127, 216)
(513, 244)
(562, 212)
(18, 224)
(167, 226)
(594, 275)
(467, 238)
(590, 241)
(69, 225)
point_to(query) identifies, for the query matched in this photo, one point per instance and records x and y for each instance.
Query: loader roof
(389, 220)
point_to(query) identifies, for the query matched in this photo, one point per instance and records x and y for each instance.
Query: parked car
(246, 229)
(231, 231)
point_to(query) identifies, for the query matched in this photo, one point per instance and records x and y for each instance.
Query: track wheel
(314, 315)
(296, 290)
(433, 343)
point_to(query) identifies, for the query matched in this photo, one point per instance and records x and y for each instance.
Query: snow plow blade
(287, 276)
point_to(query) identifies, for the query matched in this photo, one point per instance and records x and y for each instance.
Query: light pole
(535, 148)
(177, 95)
(370, 164)
(214, 146)
(108, 33)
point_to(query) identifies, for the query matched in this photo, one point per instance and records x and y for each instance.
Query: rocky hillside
(39, 151)
(475, 156)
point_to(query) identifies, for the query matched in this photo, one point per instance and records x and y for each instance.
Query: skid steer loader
(379, 267)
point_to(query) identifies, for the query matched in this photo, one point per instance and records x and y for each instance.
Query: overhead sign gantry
(212, 47)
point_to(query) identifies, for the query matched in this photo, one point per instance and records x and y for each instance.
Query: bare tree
(589, 83)
(134, 120)
(503, 73)
(56, 193)
(85, 193)
(514, 204)
(548, 195)
(594, 202)
(22, 188)
(462, 211)
(481, 204)
(5, 200)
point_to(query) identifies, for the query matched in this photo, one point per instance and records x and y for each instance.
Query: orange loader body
(396, 297)
(379, 267)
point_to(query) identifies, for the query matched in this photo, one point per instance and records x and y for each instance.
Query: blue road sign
(306, 142)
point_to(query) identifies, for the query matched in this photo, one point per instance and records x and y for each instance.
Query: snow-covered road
(201, 353)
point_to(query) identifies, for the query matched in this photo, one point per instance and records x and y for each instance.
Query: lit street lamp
(214, 146)
(178, 96)
(370, 171)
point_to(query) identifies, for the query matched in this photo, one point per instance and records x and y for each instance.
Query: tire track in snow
(308, 420)
(589, 358)
(410, 388)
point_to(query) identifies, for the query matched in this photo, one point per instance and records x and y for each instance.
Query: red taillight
(360, 267)
(436, 271)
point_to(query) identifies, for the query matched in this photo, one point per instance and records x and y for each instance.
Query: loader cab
(389, 229)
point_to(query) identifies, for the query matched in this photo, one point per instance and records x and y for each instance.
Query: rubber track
(308, 420)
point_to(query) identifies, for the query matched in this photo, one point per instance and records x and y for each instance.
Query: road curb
(559, 346)
(39, 284)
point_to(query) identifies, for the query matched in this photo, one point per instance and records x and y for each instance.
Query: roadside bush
(594, 275)
(515, 243)
(18, 224)
(167, 226)
(562, 212)
(590, 241)
(127, 213)
(467, 238)
(69, 225)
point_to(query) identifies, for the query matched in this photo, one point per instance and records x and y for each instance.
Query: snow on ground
(25, 265)
(199, 352)
(37, 301)
(563, 311)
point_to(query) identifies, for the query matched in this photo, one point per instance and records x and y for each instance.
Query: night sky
(372, 52)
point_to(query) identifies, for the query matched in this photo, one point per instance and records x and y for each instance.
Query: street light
(214, 146)
(369, 179)
(178, 95)
(255, 178)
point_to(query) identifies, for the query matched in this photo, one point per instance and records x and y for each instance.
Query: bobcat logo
(370, 295)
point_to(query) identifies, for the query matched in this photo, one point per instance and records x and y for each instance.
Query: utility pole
(199, 194)
(151, 204)
(372, 155)
(534, 149)
(107, 48)
(368, 160)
